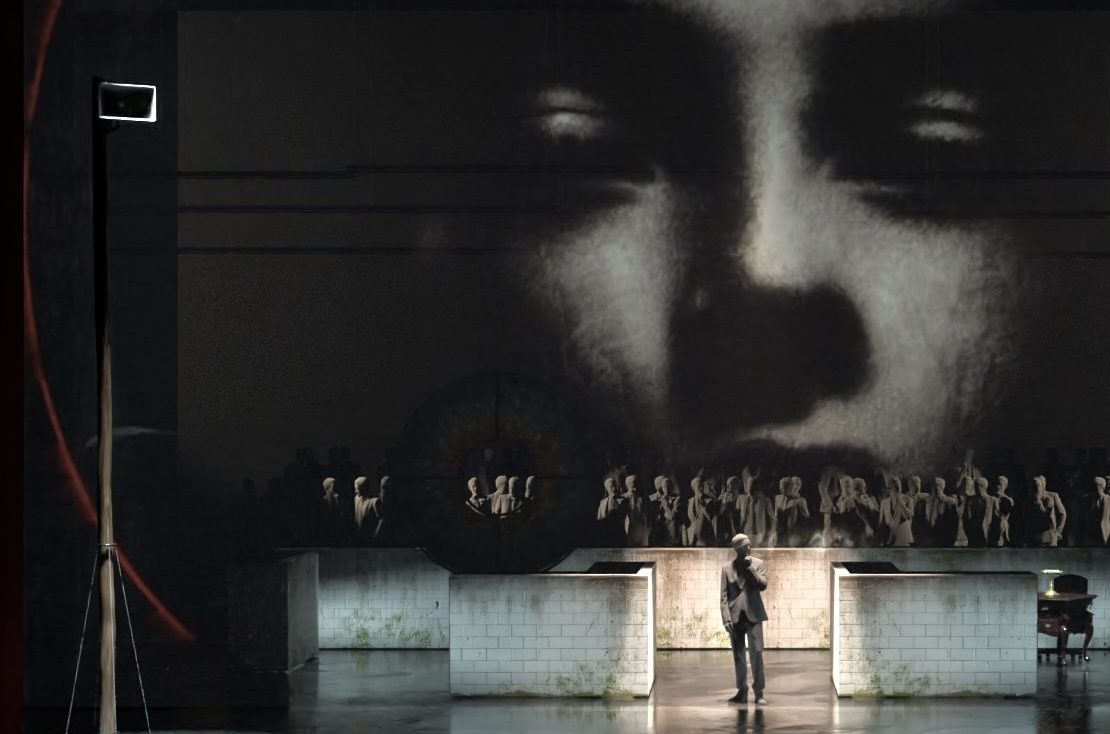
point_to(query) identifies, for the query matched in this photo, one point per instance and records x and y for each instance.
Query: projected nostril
(752, 356)
(831, 342)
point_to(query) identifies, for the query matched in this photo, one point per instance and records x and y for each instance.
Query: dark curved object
(484, 426)
(1070, 583)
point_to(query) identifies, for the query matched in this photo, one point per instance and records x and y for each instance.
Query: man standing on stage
(743, 615)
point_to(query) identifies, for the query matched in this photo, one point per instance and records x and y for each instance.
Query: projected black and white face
(756, 266)
(767, 233)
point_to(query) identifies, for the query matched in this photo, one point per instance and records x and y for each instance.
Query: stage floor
(405, 692)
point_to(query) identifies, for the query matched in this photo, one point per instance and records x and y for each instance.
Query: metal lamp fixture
(113, 102)
(1051, 582)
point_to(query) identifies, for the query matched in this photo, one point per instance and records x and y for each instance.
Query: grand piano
(1062, 611)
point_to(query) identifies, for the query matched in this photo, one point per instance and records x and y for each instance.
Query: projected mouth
(806, 461)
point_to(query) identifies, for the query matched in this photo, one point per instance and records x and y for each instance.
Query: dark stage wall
(128, 42)
(581, 240)
(572, 241)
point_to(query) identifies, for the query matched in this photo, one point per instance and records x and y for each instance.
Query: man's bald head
(742, 544)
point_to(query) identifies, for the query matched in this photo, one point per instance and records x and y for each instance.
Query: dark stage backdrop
(725, 244)
(131, 42)
(756, 255)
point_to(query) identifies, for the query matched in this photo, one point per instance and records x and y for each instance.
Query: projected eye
(596, 149)
(945, 116)
(565, 113)
(917, 148)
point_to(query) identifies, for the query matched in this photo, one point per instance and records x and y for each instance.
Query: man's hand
(728, 627)
(746, 561)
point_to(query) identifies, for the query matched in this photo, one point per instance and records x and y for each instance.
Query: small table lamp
(1051, 588)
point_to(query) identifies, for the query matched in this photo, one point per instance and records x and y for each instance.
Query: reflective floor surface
(406, 692)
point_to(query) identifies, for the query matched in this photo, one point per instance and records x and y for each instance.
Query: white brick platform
(689, 594)
(934, 634)
(382, 598)
(797, 597)
(272, 611)
(553, 634)
(397, 598)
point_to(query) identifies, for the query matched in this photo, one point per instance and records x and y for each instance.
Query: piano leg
(1089, 632)
(1062, 647)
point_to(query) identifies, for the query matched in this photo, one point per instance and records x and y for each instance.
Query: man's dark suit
(742, 613)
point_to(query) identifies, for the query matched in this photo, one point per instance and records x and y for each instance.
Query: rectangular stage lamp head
(128, 102)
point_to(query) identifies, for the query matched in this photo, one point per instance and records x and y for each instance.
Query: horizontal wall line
(354, 250)
(353, 209)
(369, 250)
(354, 171)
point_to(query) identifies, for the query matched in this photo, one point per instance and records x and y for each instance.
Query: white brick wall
(398, 597)
(936, 635)
(552, 635)
(797, 597)
(689, 593)
(687, 590)
(382, 598)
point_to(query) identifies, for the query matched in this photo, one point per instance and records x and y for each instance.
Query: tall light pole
(113, 102)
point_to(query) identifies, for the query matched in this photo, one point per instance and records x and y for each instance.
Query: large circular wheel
(481, 428)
